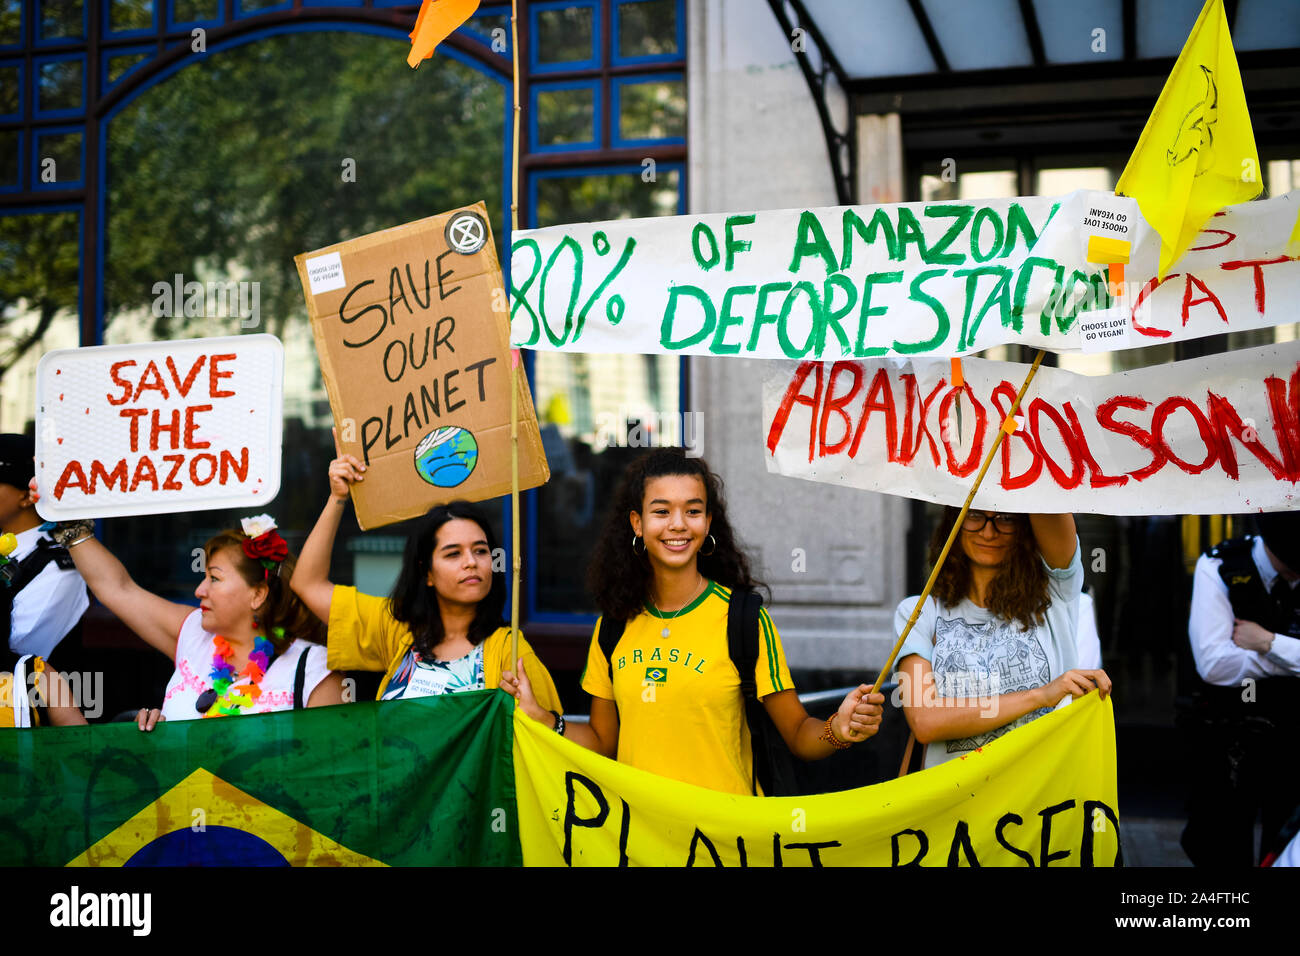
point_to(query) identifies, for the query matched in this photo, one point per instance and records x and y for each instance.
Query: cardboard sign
(410, 325)
(159, 427)
(858, 282)
(1213, 435)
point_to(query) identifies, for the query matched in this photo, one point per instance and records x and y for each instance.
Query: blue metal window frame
(242, 14)
(38, 64)
(39, 41)
(530, 503)
(22, 167)
(150, 30)
(22, 29)
(40, 134)
(173, 22)
(534, 89)
(19, 66)
(617, 60)
(472, 30)
(109, 56)
(536, 66)
(616, 109)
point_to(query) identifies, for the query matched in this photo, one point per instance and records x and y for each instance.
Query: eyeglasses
(1003, 524)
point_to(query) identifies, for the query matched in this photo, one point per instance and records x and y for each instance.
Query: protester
(32, 693)
(994, 645)
(251, 646)
(1245, 637)
(668, 699)
(41, 595)
(440, 631)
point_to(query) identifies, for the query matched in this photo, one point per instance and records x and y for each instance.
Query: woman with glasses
(994, 645)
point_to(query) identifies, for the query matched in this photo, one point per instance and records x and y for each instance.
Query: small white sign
(159, 427)
(325, 273)
(1104, 331)
(1110, 216)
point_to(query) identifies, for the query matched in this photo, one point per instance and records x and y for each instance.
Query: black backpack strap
(300, 679)
(608, 638)
(742, 638)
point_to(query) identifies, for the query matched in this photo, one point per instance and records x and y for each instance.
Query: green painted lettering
(868, 311)
(670, 316)
(763, 317)
(909, 230)
(879, 222)
(733, 244)
(812, 242)
(986, 214)
(1000, 295)
(833, 315)
(961, 216)
(942, 325)
(783, 320)
(719, 346)
(714, 256)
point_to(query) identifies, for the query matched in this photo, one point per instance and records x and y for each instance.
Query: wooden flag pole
(1008, 426)
(515, 359)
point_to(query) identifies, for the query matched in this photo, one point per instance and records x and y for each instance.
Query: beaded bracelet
(559, 722)
(828, 735)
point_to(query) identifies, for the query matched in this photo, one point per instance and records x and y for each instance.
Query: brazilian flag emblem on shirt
(421, 782)
(656, 675)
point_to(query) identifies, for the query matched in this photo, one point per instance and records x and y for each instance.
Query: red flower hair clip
(264, 544)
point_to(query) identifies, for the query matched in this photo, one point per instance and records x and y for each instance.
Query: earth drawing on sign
(446, 456)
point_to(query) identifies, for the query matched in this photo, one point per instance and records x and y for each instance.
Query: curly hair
(1018, 592)
(414, 601)
(620, 579)
(282, 610)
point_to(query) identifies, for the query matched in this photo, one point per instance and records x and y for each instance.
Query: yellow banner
(1042, 795)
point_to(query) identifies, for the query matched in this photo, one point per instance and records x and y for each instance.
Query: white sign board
(159, 427)
(1214, 435)
(859, 282)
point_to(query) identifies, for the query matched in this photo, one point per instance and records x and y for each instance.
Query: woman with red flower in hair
(250, 647)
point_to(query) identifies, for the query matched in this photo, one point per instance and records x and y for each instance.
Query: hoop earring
(635, 539)
(705, 554)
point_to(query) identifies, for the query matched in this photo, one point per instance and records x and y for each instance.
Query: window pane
(131, 15)
(607, 196)
(648, 28)
(1283, 176)
(256, 6)
(486, 25)
(9, 90)
(236, 169)
(652, 110)
(1058, 182)
(119, 65)
(64, 149)
(61, 18)
(60, 85)
(187, 11)
(39, 271)
(10, 143)
(566, 116)
(11, 19)
(955, 182)
(566, 35)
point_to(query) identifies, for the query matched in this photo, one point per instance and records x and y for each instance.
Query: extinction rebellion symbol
(466, 232)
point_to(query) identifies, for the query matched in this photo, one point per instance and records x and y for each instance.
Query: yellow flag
(1197, 153)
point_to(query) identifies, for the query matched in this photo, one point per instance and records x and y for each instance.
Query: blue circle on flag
(212, 846)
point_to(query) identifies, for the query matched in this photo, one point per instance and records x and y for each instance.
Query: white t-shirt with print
(193, 674)
(975, 654)
(416, 677)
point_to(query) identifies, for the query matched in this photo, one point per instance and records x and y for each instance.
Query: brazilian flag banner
(421, 782)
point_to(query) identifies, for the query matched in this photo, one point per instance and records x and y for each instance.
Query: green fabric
(428, 781)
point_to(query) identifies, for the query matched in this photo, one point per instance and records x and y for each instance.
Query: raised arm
(1056, 537)
(311, 577)
(600, 735)
(157, 620)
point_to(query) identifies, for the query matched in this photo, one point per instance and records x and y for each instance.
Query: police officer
(1245, 637)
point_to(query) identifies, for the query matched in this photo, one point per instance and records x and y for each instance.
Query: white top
(974, 653)
(1218, 660)
(1291, 855)
(423, 678)
(49, 606)
(1087, 641)
(193, 674)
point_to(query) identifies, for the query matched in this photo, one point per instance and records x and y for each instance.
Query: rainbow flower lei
(231, 700)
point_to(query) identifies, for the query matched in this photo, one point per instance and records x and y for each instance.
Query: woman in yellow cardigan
(441, 629)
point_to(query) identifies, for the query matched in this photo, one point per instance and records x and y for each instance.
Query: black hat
(1281, 532)
(16, 465)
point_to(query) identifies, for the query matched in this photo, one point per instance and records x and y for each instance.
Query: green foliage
(234, 165)
(39, 267)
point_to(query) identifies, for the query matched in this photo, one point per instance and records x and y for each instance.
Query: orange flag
(434, 24)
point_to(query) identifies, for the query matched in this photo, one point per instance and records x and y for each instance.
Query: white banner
(941, 278)
(159, 427)
(1214, 435)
